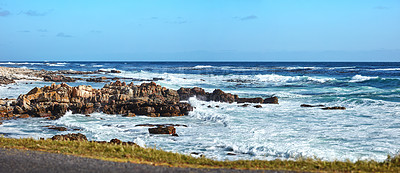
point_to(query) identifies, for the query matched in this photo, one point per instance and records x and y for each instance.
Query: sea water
(369, 128)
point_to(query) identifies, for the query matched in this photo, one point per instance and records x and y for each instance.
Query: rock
(250, 100)
(310, 106)
(58, 78)
(118, 142)
(129, 115)
(209, 106)
(271, 100)
(5, 80)
(199, 93)
(1, 123)
(231, 154)
(23, 116)
(257, 106)
(71, 137)
(244, 105)
(115, 71)
(115, 141)
(334, 108)
(220, 96)
(117, 97)
(58, 128)
(162, 130)
(99, 79)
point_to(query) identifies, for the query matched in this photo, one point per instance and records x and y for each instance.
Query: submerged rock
(258, 106)
(334, 108)
(310, 106)
(58, 128)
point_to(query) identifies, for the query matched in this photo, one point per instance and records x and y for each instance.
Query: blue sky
(200, 30)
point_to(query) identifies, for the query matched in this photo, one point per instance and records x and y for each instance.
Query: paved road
(21, 161)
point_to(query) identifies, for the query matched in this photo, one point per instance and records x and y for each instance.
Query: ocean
(369, 128)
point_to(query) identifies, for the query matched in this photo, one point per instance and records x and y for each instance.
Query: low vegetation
(135, 154)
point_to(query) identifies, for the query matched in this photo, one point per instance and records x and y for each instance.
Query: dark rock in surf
(334, 108)
(310, 106)
(58, 128)
(220, 96)
(257, 106)
(163, 130)
(250, 100)
(271, 100)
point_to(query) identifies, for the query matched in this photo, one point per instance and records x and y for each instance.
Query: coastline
(310, 107)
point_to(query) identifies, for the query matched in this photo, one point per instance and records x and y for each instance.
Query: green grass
(124, 153)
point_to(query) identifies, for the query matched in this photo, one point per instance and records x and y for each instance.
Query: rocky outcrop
(220, 96)
(129, 100)
(118, 97)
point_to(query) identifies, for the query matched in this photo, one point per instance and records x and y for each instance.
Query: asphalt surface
(21, 161)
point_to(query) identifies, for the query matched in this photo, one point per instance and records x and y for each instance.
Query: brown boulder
(250, 100)
(271, 100)
(163, 130)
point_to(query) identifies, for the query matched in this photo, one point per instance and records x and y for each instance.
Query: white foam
(202, 66)
(140, 142)
(56, 64)
(385, 69)
(360, 78)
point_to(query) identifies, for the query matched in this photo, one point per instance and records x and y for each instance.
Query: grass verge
(124, 153)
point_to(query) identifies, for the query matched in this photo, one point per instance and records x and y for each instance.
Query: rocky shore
(9, 75)
(147, 99)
